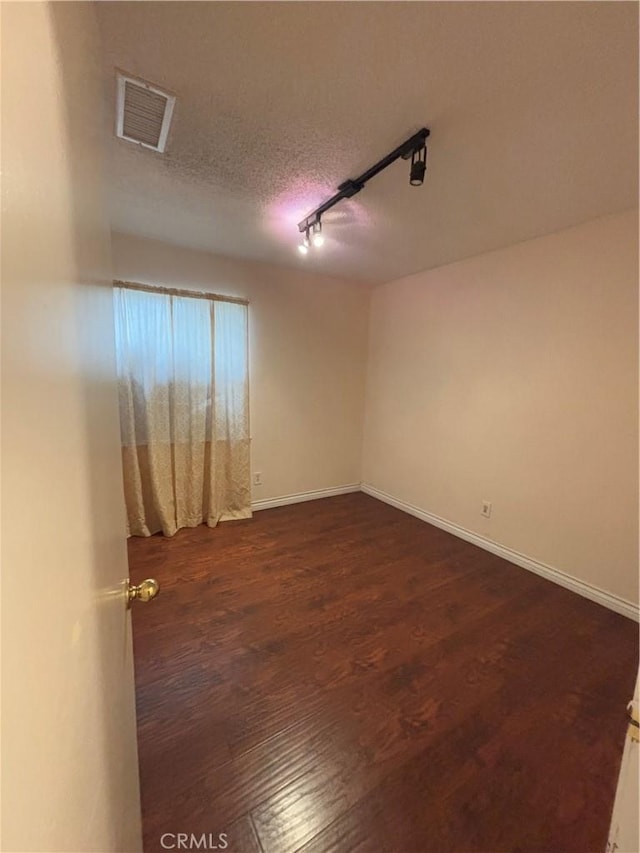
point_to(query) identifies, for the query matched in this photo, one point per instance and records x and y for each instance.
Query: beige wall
(513, 377)
(69, 761)
(308, 339)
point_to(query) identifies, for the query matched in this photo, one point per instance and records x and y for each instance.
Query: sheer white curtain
(184, 409)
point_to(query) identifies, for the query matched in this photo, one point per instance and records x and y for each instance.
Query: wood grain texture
(338, 676)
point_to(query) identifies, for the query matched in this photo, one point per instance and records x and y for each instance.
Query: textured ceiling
(532, 109)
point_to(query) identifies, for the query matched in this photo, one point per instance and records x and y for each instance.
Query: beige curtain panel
(184, 409)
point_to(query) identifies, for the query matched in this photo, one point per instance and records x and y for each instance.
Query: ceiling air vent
(143, 113)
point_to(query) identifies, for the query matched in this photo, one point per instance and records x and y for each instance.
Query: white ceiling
(532, 109)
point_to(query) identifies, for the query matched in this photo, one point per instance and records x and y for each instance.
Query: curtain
(184, 409)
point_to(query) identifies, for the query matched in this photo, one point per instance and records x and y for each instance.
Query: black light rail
(414, 148)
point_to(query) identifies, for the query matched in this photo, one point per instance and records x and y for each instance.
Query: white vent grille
(143, 113)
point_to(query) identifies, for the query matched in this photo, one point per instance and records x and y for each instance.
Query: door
(69, 761)
(624, 836)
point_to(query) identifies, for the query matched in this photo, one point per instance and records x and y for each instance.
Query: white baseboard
(594, 593)
(301, 497)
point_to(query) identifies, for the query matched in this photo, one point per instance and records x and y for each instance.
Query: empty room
(320, 427)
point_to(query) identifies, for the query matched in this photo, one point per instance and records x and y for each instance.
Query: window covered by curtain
(184, 409)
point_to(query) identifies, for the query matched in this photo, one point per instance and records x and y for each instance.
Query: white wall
(513, 377)
(69, 759)
(308, 340)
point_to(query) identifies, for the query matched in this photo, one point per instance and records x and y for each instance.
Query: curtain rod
(176, 291)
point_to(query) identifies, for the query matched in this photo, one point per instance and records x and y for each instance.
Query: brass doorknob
(144, 591)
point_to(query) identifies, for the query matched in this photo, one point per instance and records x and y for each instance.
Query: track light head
(318, 237)
(418, 166)
(303, 248)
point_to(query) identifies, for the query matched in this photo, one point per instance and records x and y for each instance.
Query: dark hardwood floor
(337, 676)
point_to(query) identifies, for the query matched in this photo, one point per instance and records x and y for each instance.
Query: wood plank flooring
(338, 676)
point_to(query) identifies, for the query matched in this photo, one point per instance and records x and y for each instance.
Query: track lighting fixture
(418, 166)
(303, 248)
(414, 148)
(313, 235)
(318, 236)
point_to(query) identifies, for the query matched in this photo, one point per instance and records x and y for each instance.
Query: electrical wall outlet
(486, 509)
(257, 478)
